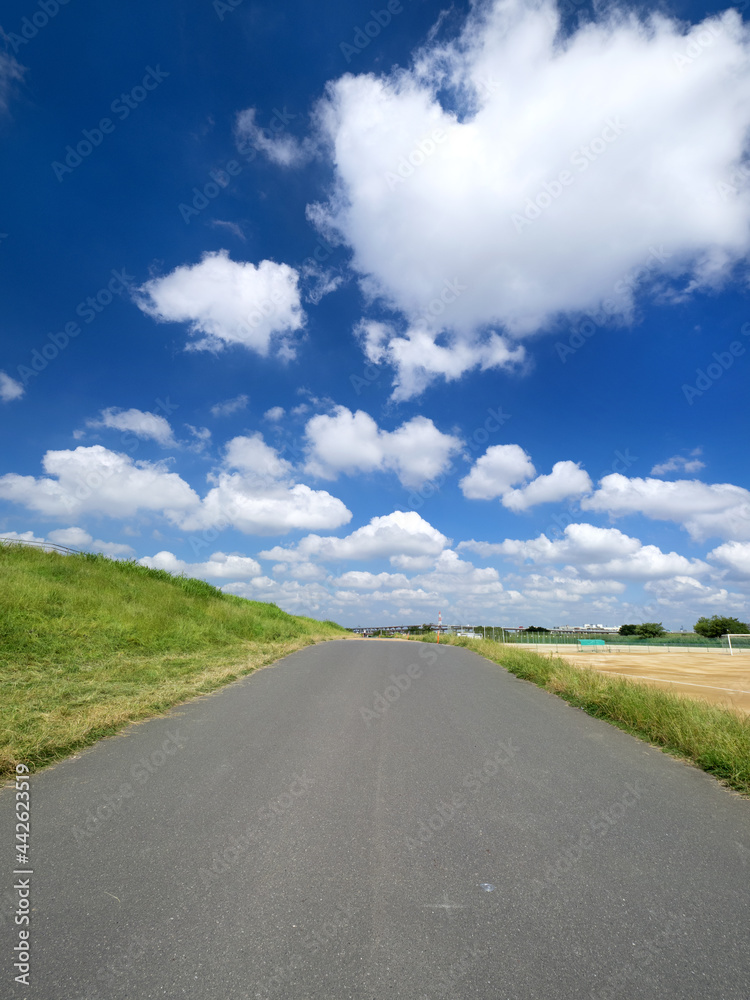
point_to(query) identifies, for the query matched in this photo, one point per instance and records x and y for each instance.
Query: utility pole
(440, 624)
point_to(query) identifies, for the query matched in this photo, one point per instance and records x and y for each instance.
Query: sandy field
(711, 676)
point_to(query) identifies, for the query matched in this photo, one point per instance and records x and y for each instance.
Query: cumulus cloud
(252, 455)
(402, 533)
(595, 553)
(734, 556)
(352, 442)
(143, 425)
(219, 566)
(229, 303)
(545, 185)
(78, 538)
(258, 498)
(254, 491)
(567, 479)
(685, 594)
(10, 389)
(274, 414)
(23, 536)
(567, 589)
(680, 463)
(706, 510)
(99, 481)
(503, 465)
(229, 406)
(278, 145)
(361, 580)
(496, 471)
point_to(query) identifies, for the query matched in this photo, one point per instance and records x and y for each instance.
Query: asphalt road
(320, 831)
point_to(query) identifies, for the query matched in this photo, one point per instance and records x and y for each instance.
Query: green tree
(713, 627)
(537, 628)
(650, 630)
(628, 630)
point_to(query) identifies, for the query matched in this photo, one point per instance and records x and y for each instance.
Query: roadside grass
(715, 739)
(89, 644)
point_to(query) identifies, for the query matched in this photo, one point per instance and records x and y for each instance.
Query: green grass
(88, 644)
(713, 738)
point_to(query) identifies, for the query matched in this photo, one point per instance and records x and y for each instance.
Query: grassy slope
(713, 738)
(88, 644)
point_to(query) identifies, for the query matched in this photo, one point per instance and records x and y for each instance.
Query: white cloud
(566, 589)
(247, 504)
(595, 553)
(219, 566)
(280, 147)
(680, 463)
(230, 303)
(706, 510)
(361, 580)
(10, 72)
(100, 481)
(353, 442)
(402, 533)
(501, 466)
(687, 595)
(253, 455)
(734, 556)
(567, 479)
(274, 414)
(78, 538)
(143, 425)
(261, 498)
(201, 438)
(229, 406)
(10, 389)
(597, 147)
(23, 536)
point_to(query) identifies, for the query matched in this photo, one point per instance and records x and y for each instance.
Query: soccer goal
(736, 642)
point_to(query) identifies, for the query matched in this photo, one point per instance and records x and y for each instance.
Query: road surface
(381, 820)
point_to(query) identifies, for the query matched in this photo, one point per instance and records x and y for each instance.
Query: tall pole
(440, 623)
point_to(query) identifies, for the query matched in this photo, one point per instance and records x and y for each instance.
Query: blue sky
(375, 315)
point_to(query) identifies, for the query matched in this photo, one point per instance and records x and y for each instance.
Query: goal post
(736, 642)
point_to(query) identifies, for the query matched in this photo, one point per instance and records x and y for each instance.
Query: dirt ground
(710, 676)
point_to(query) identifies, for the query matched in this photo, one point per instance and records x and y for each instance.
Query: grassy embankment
(713, 738)
(88, 644)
